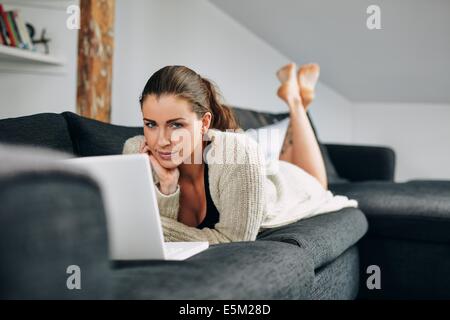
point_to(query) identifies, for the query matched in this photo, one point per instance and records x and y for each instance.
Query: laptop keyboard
(172, 250)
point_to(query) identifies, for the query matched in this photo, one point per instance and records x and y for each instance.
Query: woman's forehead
(167, 106)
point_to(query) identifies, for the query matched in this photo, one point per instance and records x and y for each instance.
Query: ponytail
(223, 117)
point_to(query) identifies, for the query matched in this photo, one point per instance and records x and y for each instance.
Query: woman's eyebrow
(171, 120)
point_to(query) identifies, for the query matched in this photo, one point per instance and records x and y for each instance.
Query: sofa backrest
(91, 137)
(70, 132)
(250, 119)
(42, 130)
(85, 137)
(95, 138)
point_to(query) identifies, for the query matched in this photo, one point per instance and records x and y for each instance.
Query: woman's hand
(168, 178)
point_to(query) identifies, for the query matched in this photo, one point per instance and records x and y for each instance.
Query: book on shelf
(23, 30)
(9, 33)
(4, 32)
(13, 30)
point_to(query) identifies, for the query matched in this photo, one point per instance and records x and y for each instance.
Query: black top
(212, 214)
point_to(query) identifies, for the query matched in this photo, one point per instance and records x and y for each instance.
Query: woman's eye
(176, 125)
(150, 124)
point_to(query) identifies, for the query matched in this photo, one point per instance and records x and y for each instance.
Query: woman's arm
(240, 201)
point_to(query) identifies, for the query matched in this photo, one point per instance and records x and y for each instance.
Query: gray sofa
(52, 217)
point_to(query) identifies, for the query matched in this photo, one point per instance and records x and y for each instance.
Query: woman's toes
(287, 72)
(289, 90)
(308, 75)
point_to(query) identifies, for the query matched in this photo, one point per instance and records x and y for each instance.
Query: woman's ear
(206, 121)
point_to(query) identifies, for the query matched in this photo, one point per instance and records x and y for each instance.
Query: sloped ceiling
(408, 60)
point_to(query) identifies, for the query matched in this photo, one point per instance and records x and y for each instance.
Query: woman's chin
(170, 163)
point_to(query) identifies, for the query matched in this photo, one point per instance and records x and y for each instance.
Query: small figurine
(43, 40)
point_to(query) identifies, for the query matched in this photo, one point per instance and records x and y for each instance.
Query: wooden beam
(95, 59)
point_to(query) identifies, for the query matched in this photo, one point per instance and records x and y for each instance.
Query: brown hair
(202, 94)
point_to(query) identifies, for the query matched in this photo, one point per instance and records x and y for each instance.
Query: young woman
(212, 184)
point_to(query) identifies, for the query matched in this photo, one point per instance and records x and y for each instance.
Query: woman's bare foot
(289, 90)
(307, 77)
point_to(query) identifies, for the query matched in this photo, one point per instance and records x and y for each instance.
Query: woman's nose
(163, 140)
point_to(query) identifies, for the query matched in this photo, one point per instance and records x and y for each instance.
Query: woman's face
(172, 130)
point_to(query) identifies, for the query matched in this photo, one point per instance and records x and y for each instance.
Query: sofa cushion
(44, 130)
(95, 138)
(325, 237)
(251, 119)
(417, 210)
(238, 270)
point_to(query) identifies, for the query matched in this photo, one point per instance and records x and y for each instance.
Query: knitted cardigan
(249, 193)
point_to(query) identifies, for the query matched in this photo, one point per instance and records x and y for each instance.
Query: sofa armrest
(362, 163)
(408, 238)
(50, 220)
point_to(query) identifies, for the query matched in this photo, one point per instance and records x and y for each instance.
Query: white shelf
(43, 4)
(11, 54)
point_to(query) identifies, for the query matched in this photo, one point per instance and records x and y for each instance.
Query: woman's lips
(165, 155)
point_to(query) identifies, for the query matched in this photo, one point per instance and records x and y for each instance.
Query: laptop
(134, 224)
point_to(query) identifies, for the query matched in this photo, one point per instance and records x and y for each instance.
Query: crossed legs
(300, 146)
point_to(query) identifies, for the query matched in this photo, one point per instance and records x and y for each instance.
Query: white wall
(151, 34)
(29, 92)
(147, 38)
(332, 115)
(419, 133)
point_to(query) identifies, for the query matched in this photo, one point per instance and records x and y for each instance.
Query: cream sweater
(249, 193)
